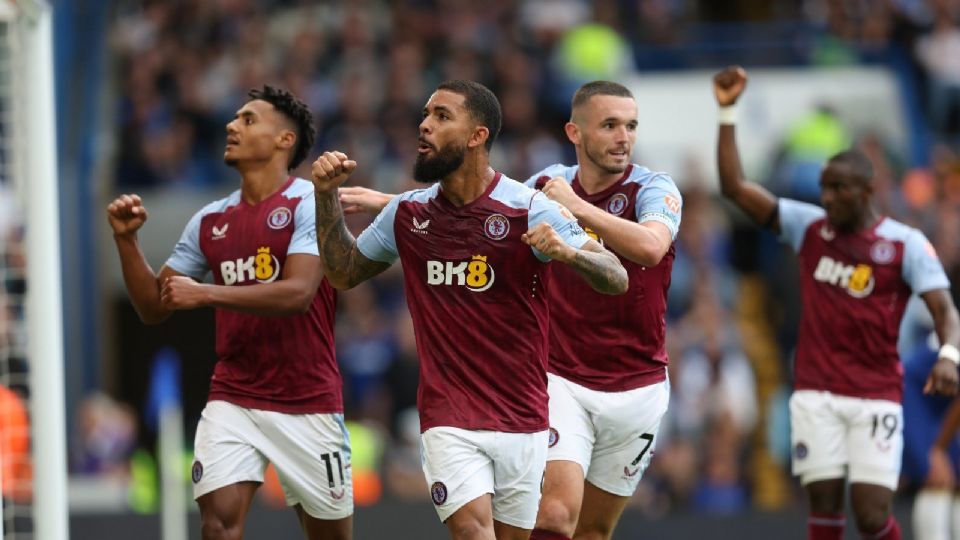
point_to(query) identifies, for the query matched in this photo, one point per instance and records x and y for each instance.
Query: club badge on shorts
(197, 472)
(438, 492)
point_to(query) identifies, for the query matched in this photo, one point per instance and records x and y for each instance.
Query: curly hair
(297, 112)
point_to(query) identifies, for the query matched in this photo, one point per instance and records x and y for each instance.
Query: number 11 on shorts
(329, 464)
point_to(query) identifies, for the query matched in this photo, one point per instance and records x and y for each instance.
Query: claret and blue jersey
(854, 288)
(615, 343)
(476, 293)
(284, 364)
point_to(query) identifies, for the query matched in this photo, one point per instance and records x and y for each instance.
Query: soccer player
(275, 395)
(472, 247)
(607, 366)
(931, 451)
(608, 378)
(857, 268)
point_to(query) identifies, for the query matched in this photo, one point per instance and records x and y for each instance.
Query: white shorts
(461, 465)
(836, 436)
(611, 435)
(311, 453)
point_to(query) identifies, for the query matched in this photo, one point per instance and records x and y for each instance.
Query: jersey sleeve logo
(617, 204)
(279, 218)
(883, 252)
(564, 212)
(672, 203)
(496, 227)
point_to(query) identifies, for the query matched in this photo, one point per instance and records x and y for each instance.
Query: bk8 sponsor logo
(476, 274)
(857, 280)
(262, 267)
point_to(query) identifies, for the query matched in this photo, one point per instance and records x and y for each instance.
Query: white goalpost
(28, 174)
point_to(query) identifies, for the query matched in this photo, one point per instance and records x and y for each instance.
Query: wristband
(727, 115)
(951, 353)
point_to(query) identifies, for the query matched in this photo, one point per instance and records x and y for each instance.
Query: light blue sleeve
(187, 257)
(795, 217)
(660, 201)
(304, 238)
(922, 269)
(378, 242)
(556, 169)
(543, 210)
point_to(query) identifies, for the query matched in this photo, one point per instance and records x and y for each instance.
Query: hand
(943, 378)
(126, 214)
(547, 241)
(729, 84)
(182, 292)
(559, 190)
(331, 169)
(940, 474)
(360, 199)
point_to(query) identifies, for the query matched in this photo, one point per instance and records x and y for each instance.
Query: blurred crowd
(365, 68)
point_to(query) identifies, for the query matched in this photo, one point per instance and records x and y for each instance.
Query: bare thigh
(223, 511)
(324, 529)
(599, 514)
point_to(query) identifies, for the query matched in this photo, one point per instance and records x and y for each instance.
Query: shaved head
(854, 163)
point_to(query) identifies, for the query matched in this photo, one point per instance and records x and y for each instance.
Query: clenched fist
(728, 85)
(546, 240)
(559, 190)
(943, 378)
(126, 214)
(331, 169)
(182, 292)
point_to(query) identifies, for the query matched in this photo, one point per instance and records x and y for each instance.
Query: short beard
(231, 162)
(598, 161)
(429, 170)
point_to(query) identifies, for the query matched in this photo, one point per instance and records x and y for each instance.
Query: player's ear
(479, 137)
(573, 132)
(286, 139)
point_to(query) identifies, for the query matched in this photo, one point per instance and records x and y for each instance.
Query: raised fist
(729, 84)
(331, 169)
(126, 214)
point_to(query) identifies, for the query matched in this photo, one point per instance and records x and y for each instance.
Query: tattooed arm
(599, 267)
(343, 263)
